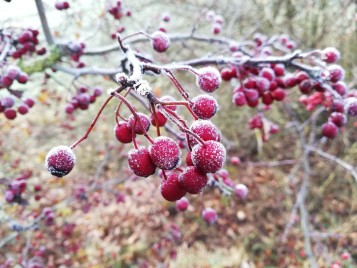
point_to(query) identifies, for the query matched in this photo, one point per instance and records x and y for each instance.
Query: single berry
(209, 215)
(339, 119)
(351, 106)
(168, 99)
(29, 102)
(204, 106)
(13, 72)
(235, 160)
(123, 132)
(204, 129)
(23, 109)
(170, 188)
(6, 81)
(192, 180)
(165, 153)
(278, 94)
(140, 125)
(208, 79)
(182, 204)
(10, 113)
(290, 81)
(60, 160)
(305, 86)
(69, 108)
(279, 69)
(262, 84)
(336, 73)
(7, 102)
(160, 118)
(208, 157)
(329, 130)
(330, 55)
(140, 162)
(97, 92)
(239, 99)
(340, 87)
(22, 78)
(267, 73)
(241, 191)
(160, 41)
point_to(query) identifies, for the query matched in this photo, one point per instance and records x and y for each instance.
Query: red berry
(256, 122)
(279, 69)
(204, 106)
(267, 98)
(209, 215)
(22, 78)
(267, 73)
(192, 180)
(235, 160)
(69, 108)
(29, 102)
(23, 109)
(97, 92)
(160, 41)
(7, 102)
(262, 84)
(37, 188)
(205, 129)
(41, 51)
(123, 132)
(217, 28)
(301, 76)
(182, 204)
(340, 87)
(6, 81)
(329, 130)
(336, 73)
(208, 157)
(140, 125)
(338, 106)
(170, 188)
(239, 99)
(251, 95)
(278, 94)
(351, 106)
(10, 113)
(290, 81)
(12, 72)
(140, 162)
(226, 74)
(161, 119)
(339, 119)
(330, 55)
(189, 159)
(168, 99)
(83, 99)
(60, 160)
(305, 86)
(208, 79)
(165, 153)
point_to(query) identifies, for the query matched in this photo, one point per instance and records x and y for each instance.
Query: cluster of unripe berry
(7, 104)
(62, 5)
(83, 99)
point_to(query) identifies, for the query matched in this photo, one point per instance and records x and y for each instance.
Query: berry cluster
(8, 103)
(62, 5)
(216, 21)
(117, 11)
(83, 99)
(24, 43)
(16, 188)
(12, 74)
(76, 49)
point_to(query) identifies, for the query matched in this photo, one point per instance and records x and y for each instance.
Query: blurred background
(108, 218)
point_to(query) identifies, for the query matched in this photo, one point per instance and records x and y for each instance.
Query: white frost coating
(205, 129)
(121, 77)
(209, 157)
(143, 88)
(165, 153)
(62, 151)
(110, 91)
(214, 77)
(351, 106)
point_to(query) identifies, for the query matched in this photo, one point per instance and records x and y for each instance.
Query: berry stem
(152, 104)
(85, 136)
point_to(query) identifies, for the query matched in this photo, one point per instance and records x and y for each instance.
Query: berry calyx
(140, 162)
(165, 153)
(208, 79)
(60, 160)
(208, 157)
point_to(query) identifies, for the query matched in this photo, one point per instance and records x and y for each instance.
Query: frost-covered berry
(329, 130)
(192, 180)
(123, 132)
(330, 55)
(165, 153)
(235, 160)
(140, 162)
(205, 129)
(209, 215)
(204, 106)
(340, 87)
(339, 119)
(7, 102)
(170, 188)
(160, 41)
(60, 160)
(167, 99)
(239, 99)
(208, 157)
(337, 73)
(278, 94)
(182, 204)
(351, 106)
(241, 191)
(208, 79)
(140, 125)
(22, 78)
